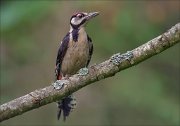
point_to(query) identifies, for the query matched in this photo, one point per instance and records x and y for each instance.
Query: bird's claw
(118, 58)
(83, 71)
(59, 84)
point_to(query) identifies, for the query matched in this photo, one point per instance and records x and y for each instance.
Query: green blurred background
(146, 94)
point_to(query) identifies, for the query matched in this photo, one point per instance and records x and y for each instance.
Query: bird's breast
(76, 56)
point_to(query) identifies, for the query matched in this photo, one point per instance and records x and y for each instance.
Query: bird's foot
(118, 58)
(59, 84)
(83, 71)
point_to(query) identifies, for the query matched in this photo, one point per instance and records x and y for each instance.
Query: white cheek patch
(76, 21)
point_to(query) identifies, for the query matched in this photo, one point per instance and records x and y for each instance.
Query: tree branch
(103, 70)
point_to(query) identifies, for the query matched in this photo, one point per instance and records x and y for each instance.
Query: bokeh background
(146, 94)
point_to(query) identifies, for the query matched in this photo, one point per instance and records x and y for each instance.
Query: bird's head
(80, 19)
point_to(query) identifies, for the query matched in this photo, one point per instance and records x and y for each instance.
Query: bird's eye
(79, 15)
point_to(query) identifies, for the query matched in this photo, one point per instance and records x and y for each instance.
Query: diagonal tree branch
(103, 70)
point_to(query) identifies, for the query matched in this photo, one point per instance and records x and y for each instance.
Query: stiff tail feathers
(65, 106)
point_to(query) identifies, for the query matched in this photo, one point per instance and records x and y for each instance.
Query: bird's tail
(65, 106)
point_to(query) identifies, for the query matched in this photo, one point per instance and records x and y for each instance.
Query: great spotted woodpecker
(74, 53)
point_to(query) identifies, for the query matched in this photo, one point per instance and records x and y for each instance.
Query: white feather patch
(76, 21)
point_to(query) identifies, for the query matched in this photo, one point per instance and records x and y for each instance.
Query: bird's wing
(90, 49)
(61, 53)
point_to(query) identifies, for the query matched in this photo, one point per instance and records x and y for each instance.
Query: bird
(74, 54)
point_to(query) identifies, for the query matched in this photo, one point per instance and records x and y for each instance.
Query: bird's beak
(91, 15)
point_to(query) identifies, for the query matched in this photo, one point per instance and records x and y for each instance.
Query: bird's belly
(75, 58)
